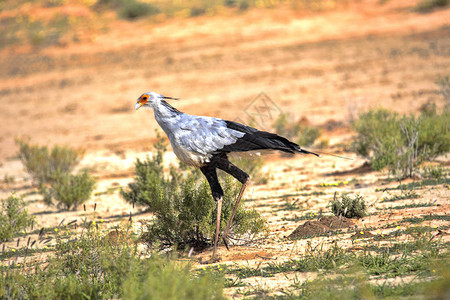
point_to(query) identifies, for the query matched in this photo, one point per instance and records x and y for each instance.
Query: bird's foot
(212, 260)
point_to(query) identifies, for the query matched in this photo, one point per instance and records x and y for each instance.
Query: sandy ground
(322, 67)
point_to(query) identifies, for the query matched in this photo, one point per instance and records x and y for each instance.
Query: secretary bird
(204, 142)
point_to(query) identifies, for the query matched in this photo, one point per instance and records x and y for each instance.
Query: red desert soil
(320, 227)
(323, 67)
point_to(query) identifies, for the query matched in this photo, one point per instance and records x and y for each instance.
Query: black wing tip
(308, 152)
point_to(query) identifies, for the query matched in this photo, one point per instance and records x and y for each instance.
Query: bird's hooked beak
(141, 101)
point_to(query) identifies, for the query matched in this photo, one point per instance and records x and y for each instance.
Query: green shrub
(349, 206)
(96, 266)
(14, 217)
(44, 165)
(52, 171)
(197, 11)
(434, 133)
(185, 212)
(444, 89)
(253, 167)
(133, 9)
(433, 172)
(69, 190)
(308, 135)
(428, 5)
(402, 143)
(302, 134)
(284, 127)
(163, 279)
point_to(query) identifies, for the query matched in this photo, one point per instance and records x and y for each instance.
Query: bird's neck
(165, 110)
(165, 115)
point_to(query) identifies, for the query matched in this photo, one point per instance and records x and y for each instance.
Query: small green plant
(302, 134)
(69, 190)
(52, 171)
(405, 194)
(349, 206)
(418, 184)
(8, 179)
(412, 205)
(45, 165)
(184, 209)
(402, 143)
(14, 217)
(433, 172)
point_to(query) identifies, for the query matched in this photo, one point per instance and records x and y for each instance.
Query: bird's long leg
(217, 193)
(219, 211)
(238, 200)
(225, 165)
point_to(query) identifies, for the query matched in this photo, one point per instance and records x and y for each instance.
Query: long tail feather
(308, 152)
(334, 155)
(255, 139)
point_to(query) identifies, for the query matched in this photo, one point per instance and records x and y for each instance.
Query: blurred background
(71, 70)
(85, 177)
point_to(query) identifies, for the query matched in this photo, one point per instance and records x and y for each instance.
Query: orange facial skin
(143, 99)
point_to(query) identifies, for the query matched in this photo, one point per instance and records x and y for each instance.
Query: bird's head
(150, 99)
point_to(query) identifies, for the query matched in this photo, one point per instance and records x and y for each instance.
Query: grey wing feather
(206, 135)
